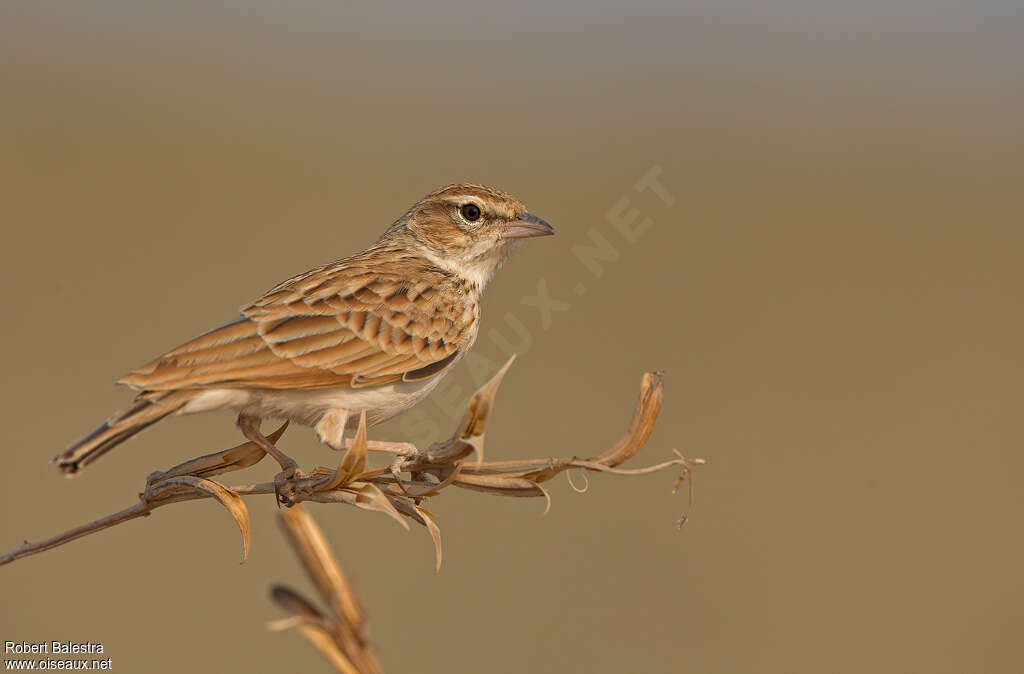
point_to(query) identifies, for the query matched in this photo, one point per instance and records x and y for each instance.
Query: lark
(373, 333)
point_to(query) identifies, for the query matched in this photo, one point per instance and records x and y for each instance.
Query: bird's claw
(285, 484)
(396, 472)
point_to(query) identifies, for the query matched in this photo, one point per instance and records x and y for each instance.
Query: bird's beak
(526, 226)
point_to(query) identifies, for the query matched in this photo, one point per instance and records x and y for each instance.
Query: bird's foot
(287, 486)
(396, 471)
(403, 451)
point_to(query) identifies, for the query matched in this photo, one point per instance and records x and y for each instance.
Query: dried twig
(439, 466)
(339, 633)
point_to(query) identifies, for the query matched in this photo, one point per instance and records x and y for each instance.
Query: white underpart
(307, 407)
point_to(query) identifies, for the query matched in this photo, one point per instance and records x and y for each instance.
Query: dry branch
(383, 489)
(339, 633)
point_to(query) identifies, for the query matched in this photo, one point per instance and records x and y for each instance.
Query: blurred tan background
(834, 293)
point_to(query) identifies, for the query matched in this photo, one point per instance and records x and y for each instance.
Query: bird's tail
(123, 425)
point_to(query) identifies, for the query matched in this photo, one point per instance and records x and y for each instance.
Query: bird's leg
(284, 482)
(402, 450)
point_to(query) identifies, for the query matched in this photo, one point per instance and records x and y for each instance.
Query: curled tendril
(586, 481)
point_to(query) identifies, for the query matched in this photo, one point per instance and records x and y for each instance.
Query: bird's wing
(338, 325)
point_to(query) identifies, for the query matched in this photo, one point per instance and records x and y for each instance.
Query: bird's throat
(476, 270)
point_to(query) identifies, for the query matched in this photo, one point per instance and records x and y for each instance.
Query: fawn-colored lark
(373, 333)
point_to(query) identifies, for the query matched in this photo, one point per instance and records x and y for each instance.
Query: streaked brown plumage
(346, 324)
(373, 332)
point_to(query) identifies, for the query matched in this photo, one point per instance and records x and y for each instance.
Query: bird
(367, 335)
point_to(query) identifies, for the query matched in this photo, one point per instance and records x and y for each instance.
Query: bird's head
(469, 229)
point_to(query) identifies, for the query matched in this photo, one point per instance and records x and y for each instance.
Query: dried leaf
(229, 499)
(647, 408)
(294, 603)
(435, 534)
(321, 639)
(371, 498)
(363, 495)
(353, 462)
(236, 458)
(289, 623)
(500, 484)
(478, 411)
(470, 433)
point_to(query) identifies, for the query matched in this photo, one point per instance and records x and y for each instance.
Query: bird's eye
(470, 212)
